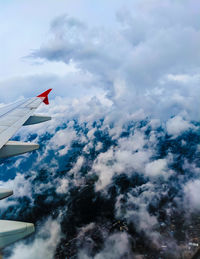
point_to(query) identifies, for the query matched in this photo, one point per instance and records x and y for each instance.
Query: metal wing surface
(14, 116)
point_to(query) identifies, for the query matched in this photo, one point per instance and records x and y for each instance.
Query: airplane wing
(12, 117)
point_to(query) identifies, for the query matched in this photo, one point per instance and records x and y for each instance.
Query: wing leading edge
(12, 118)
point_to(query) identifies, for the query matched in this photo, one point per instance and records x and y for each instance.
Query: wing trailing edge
(12, 231)
(15, 148)
(4, 193)
(35, 119)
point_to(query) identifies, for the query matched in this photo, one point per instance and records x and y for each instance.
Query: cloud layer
(148, 61)
(97, 183)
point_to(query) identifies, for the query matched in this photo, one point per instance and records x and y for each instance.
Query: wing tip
(44, 96)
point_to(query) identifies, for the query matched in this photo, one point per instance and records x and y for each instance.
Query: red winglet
(44, 96)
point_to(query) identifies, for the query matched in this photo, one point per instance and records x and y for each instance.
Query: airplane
(12, 117)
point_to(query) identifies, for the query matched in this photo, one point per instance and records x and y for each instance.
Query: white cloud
(192, 192)
(44, 244)
(140, 63)
(157, 168)
(176, 125)
(144, 62)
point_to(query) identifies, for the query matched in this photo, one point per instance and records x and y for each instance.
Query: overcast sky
(139, 54)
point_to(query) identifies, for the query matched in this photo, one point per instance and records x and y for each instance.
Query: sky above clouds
(140, 54)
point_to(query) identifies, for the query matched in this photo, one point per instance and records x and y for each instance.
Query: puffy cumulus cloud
(157, 168)
(177, 125)
(192, 190)
(128, 155)
(148, 61)
(43, 246)
(63, 139)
